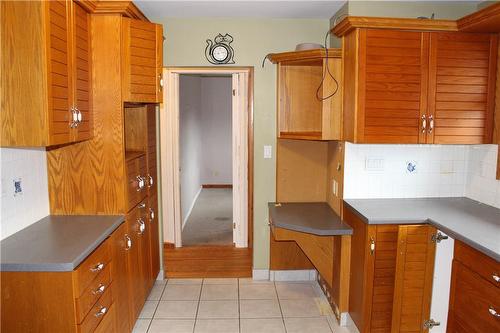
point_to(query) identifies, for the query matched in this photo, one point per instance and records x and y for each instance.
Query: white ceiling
(255, 9)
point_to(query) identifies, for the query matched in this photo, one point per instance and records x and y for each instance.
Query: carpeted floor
(211, 220)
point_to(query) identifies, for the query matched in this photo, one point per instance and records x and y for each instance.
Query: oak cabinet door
(462, 87)
(82, 72)
(393, 70)
(59, 72)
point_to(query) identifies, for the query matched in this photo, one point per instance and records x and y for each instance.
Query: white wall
(216, 126)
(380, 171)
(20, 211)
(190, 141)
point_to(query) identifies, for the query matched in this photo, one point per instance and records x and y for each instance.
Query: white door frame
(242, 135)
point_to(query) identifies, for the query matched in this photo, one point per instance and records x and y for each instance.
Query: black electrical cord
(325, 72)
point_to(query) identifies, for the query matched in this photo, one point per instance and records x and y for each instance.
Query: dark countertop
(56, 243)
(315, 218)
(469, 221)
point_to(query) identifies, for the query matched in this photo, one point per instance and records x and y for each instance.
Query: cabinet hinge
(234, 92)
(234, 225)
(438, 237)
(431, 323)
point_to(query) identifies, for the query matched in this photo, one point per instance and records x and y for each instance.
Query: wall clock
(219, 51)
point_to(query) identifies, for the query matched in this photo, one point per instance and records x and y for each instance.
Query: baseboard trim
(161, 275)
(260, 274)
(293, 275)
(191, 208)
(217, 186)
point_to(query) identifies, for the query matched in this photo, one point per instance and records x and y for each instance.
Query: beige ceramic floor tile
(141, 326)
(176, 310)
(181, 292)
(220, 281)
(306, 307)
(218, 309)
(185, 281)
(217, 326)
(292, 290)
(148, 310)
(219, 292)
(260, 309)
(304, 325)
(156, 292)
(171, 326)
(243, 281)
(262, 326)
(258, 291)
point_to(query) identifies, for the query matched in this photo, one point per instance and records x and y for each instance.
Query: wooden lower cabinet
(105, 293)
(390, 276)
(475, 292)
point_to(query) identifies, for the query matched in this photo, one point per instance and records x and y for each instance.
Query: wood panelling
(414, 274)
(301, 165)
(335, 171)
(154, 227)
(89, 177)
(28, 300)
(461, 95)
(478, 262)
(287, 255)
(484, 20)
(207, 261)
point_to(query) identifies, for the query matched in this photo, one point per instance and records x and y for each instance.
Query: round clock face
(220, 53)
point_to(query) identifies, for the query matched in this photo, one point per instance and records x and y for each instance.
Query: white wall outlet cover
(268, 151)
(374, 164)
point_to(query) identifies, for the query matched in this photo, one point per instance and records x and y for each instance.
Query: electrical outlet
(268, 152)
(18, 189)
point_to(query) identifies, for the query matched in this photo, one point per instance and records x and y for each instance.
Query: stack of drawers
(475, 292)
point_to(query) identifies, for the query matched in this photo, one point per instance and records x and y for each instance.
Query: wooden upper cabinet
(44, 43)
(462, 87)
(304, 111)
(142, 61)
(418, 85)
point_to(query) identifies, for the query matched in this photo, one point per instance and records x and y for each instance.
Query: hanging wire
(325, 72)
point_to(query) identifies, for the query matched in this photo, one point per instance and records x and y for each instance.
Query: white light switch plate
(268, 151)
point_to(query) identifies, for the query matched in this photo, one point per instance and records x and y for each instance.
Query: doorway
(207, 171)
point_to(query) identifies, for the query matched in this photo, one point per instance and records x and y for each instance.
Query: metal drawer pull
(424, 123)
(142, 226)
(493, 312)
(140, 183)
(128, 242)
(431, 124)
(151, 214)
(372, 245)
(151, 181)
(495, 277)
(102, 311)
(99, 289)
(98, 267)
(142, 205)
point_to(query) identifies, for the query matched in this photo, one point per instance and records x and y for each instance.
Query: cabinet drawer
(480, 263)
(87, 271)
(93, 292)
(98, 312)
(137, 181)
(108, 323)
(474, 300)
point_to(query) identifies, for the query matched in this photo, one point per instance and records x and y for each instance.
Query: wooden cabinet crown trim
(304, 55)
(484, 20)
(125, 8)
(352, 22)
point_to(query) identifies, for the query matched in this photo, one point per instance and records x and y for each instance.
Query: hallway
(211, 219)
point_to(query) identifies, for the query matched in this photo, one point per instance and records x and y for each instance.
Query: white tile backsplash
(19, 211)
(441, 171)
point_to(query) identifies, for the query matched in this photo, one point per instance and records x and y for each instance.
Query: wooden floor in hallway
(209, 261)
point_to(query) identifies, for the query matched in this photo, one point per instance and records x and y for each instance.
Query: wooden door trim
(172, 102)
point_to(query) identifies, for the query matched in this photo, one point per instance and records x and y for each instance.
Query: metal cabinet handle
(495, 277)
(151, 214)
(142, 226)
(142, 205)
(102, 311)
(424, 123)
(74, 118)
(160, 80)
(493, 312)
(372, 245)
(99, 289)
(98, 267)
(431, 124)
(128, 241)
(151, 181)
(140, 183)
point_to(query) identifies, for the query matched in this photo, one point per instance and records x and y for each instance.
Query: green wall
(253, 39)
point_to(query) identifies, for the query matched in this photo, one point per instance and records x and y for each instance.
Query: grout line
(198, 307)
(281, 310)
(239, 310)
